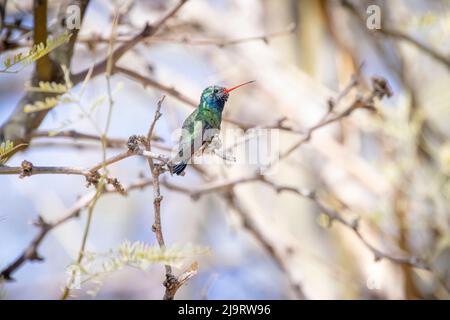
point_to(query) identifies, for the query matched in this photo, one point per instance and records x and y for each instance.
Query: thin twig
(351, 225)
(92, 40)
(380, 89)
(227, 186)
(444, 59)
(228, 42)
(171, 283)
(396, 34)
(278, 255)
(28, 169)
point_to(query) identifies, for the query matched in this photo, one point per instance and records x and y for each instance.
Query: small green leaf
(7, 149)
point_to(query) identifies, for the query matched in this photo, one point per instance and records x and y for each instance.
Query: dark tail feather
(179, 168)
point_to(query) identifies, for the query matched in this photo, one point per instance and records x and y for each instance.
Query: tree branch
(28, 169)
(173, 92)
(3, 4)
(43, 65)
(227, 186)
(221, 43)
(353, 226)
(444, 59)
(148, 31)
(94, 39)
(380, 89)
(171, 283)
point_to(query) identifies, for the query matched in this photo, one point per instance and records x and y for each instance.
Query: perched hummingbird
(202, 124)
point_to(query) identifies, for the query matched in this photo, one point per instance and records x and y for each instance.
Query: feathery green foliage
(50, 87)
(96, 266)
(7, 149)
(35, 53)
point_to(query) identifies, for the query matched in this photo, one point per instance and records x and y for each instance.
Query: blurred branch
(221, 186)
(396, 34)
(148, 82)
(227, 186)
(380, 89)
(73, 134)
(173, 92)
(3, 4)
(353, 226)
(92, 40)
(76, 135)
(43, 65)
(148, 31)
(278, 251)
(279, 255)
(444, 59)
(231, 42)
(31, 251)
(100, 185)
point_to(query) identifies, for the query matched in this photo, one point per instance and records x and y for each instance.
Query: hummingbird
(202, 124)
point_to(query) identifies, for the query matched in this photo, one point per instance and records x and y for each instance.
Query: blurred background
(390, 167)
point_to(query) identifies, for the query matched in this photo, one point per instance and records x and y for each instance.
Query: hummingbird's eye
(216, 90)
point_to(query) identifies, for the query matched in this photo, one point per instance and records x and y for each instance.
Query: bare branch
(172, 283)
(353, 225)
(228, 185)
(92, 40)
(148, 31)
(396, 34)
(231, 42)
(2, 14)
(444, 59)
(28, 169)
(380, 89)
(43, 65)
